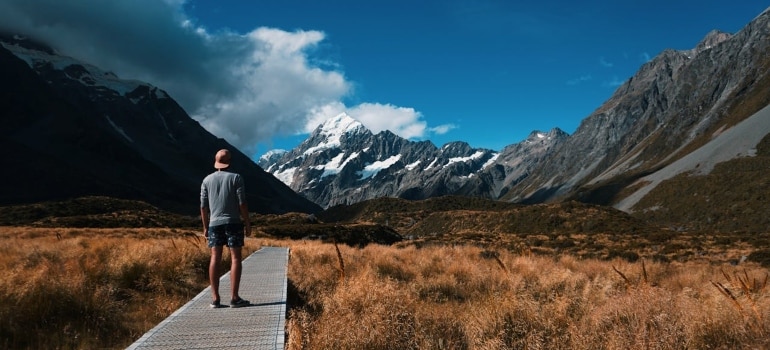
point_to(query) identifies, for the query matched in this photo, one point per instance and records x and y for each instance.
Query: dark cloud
(247, 88)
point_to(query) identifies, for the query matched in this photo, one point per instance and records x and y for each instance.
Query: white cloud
(442, 129)
(319, 114)
(605, 63)
(246, 88)
(402, 121)
(615, 82)
(277, 89)
(579, 80)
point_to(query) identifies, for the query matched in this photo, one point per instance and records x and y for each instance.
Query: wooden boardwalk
(258, 326)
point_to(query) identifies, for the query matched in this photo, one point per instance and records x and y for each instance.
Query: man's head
(222, 159)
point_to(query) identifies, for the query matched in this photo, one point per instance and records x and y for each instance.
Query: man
(225, 217)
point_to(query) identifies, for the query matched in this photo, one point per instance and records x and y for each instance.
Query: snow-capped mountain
(75, 130)
(343, 162)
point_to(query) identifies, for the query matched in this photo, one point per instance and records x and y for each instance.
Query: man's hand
(205, 221)
(246, 219)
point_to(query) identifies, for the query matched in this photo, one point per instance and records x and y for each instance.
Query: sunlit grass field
(95, 288)
(462, 297)
(103, 288)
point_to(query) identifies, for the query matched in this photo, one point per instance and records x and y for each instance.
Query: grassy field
(67, 288)
(464, 297)
(70, 288)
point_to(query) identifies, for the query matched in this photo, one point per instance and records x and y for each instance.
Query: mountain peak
(333, 131)
(273, 153)
(340, 124)
(537, 135)
(711, 39)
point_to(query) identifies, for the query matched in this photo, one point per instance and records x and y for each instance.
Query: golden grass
(95, 288)
(462, 297)
(104, 288)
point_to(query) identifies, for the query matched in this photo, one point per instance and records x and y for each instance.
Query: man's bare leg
(235, 271)
(216, 256)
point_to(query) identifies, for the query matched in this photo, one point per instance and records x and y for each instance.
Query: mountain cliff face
(71, 130)
(516, 162)
(678, 104)
(342, 162)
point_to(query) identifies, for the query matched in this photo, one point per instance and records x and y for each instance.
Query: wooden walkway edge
(258, 326)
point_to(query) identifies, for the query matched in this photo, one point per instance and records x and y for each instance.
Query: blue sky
(262, 74)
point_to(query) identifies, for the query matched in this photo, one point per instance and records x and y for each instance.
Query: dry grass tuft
(341, 263)
(750, 289)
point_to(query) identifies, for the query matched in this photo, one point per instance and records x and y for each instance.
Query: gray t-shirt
(222, 192)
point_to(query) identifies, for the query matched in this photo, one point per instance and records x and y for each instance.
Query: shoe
(215, 304)
(239, 303)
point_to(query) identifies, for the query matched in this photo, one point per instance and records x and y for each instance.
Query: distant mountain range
(70, 130)
(681, 113)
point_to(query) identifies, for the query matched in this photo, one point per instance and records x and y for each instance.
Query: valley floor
(103, 288)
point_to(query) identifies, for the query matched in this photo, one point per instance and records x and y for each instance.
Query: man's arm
(246, 219)
(205, 221)
(205, 212)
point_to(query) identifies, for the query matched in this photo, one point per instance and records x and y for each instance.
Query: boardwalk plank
(258, 326)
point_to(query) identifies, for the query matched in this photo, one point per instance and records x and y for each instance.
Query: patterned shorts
(230, 234)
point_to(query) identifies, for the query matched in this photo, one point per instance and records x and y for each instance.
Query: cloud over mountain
(246, 88)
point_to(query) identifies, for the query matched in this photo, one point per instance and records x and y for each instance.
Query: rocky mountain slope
(72, 130)
(682, 111)
(676, 104)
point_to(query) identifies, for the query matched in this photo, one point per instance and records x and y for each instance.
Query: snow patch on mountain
(336, 165)
(491, 161)
(95, 76)
(412, 166)
(160, 94)
(286, 176)
(373, 168)
(432, 164)
(475, 156)
(118, 129)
